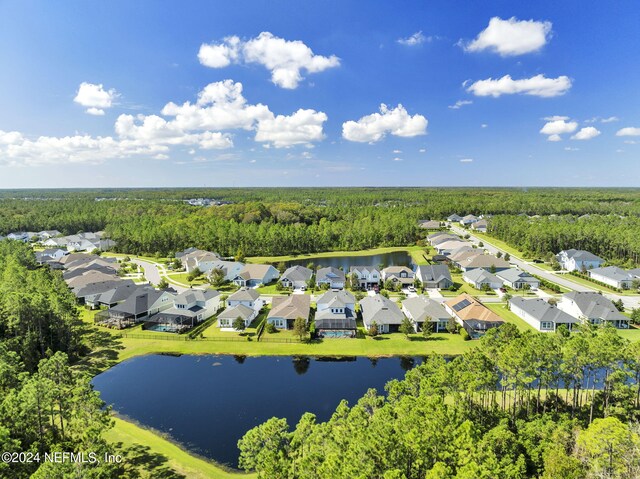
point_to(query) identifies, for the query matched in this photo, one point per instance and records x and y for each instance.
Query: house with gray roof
(613, 276)
(485, 261)
(141, 305)
(593, 308)
(420, 309)
(367, 277)
(447, 247)
(480, 226)
(398, 274)
(331, 276)
(247, 297)
(516, 279)
(384, 312)
(429, 224)
(50, 255)
(468, 220)
(198, 259)
(578, 260)
(189, 308)
(335, 316)
(286, 309)
(437, 238)
(252, 275)
(435, 276)
(541, 315)
(481, 278)
(120, 293)
(90, 293)
(229, 315)
(454, 218)
(296, 277)
(230, 269)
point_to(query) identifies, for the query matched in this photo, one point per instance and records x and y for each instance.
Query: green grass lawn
(416, 252)
(598, 287)
(181, 279)
(463, 287)
(632, 334)
(214, 330)
(502, 311)
(167, 453)
(490, 240)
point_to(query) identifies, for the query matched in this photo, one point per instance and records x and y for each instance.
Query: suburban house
(435, 276)
(485, 261)
(454, 218)
(46, 234)
(247, 297)
(446, 247)
(256, 274)
(90, 294)
(89, 277)
(462, 254)
(382, 311)
(229, 315)
(189, 308)
(138, 307)
(56, 242)
(296, 277)
(472, 315)
(437, 238)
(230, 269)
(480, 278)
(429, 224)
(593, 308)
(181, 254)
(286, 309)
(120, 293)
(420, 309)
(200, 259)
(613, 276)
(516, 279)
(335, 316)
(50, 255)
(398, 274)
(540, 315)
(367, 276)
(468, 220)
(479, 226)
(578, 260)
(334, 277)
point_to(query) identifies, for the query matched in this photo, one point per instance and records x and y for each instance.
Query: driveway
(154, 273)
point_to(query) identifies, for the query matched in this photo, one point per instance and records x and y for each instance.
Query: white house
(256, 274)
(574, 259)
(516, 279)
(229, 315)
(481, 277)
(593, 308)
(613, 276)
(334, 277)
(367, 276)
(335, 316)
(247, 297)
(479, 226)
(190, 307)
(540, 315)
(468, 220)
(296, 277)
(420, 309)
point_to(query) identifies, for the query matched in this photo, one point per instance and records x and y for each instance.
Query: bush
(271, 328)
(464, 334)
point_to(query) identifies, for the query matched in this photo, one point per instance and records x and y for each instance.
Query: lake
(207, 403)
(399, 258)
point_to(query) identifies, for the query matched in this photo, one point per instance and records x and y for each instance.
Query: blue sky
(293, 93)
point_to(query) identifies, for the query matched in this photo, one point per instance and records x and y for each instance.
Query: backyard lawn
(502, 311)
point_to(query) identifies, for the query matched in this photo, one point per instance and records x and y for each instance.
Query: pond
(207, 403)
(398, 258)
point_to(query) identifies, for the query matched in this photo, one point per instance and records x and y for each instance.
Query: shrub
(464, 334)
(271, 328)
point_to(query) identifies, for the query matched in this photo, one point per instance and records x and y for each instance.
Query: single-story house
(434, 276)
(296, 277)
(447, 247)
(420, 309)
(384, 312)
(454, 218)
(479, 226)
(286, 309)
(89, 277)
(613, 276)
(50, 255)
(189, 308)
(398, 274)
(247, 297)
(367, 276)
(575, 259)
(256, 274)
(429, 224)
(229, 315)
(516, 279)
(593, 308)
(198, 259)
(230, 269)
(439, 238)
(480, 277)
(332, 276)
(90, 293)
(335, 316)
(485, 261)
(539, 314)
(469, 219)
(464, 253)
(472, 315)
(46, 234)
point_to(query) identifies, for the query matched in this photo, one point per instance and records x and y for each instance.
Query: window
(225, 323)
(546, 325)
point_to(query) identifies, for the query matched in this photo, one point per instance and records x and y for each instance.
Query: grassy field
(181, 278)
(464, 287)
(501, 310)
(490, 240)
(598, 287)
(164, 454)
(417, 254)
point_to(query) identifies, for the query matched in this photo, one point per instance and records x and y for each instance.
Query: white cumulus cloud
(285, 59)
(628, 131)
(556, 126)
(586, 133)
(511, 37)
(415, 39)
(538, 85)
(374, 127)
(459, 104)
(301, 128)
(95, 97)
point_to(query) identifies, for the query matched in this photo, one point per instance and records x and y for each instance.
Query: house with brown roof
(472, 315)
(485, 261)
(285, 310)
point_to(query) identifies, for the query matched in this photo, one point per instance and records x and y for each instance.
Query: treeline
(612, 237)
(521, 405)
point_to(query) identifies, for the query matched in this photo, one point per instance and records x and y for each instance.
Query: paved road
(154, 273)
(558, 278)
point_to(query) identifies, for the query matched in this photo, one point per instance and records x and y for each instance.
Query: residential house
(252, 275)
(436, 276)
(367, 277)
(472, 315)
(230, 269)
(335, 316)
(593, 308)
(539, 314)
(454, 218)
(118, 294)
(286, 309)
(199, 259)
(46, 234)
(468, 220)
(480, 226)
(19, 236)
(398, 275)
(247, 297)
(439, 238)
(447, 247)
(181, 254)
(50, 255)
(382, 311)
(229, 315)
(89, 277)
(578, 260)
(613, 276)
(420, 309)
(296, 277)
(189, 308)
(56, 242)
(481, 278)
(462, 254)
(139, 307)
(90, 294)
(516, 279)
(334, 277)
(485, 261)
(429, 224)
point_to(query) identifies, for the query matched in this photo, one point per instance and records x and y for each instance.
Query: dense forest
(521, 405)
(282, 221)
